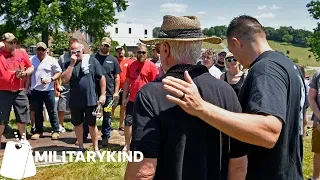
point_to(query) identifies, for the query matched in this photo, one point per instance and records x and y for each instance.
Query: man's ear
(166, 49)
(236, 42)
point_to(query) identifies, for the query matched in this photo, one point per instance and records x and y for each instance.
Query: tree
(155, 32)
(314, 10)
(45, 16)
(287, 38)
(125, 48)
(60, 42)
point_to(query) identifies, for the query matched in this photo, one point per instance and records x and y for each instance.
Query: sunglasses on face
(75, 51)
(105, 45)
(12, 42)
(232, 60)
(40, 49)
(141, 52)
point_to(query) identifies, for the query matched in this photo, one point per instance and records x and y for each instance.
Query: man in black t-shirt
(220, 62)
(176, 145)
(111, 68)
(83, 72)
(272, 99)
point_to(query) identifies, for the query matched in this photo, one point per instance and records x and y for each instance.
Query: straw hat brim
(152, 41)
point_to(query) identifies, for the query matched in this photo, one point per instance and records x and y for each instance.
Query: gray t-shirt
(62, 60)
(315, 84)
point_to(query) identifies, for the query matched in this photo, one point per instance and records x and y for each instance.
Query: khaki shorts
(315, 140)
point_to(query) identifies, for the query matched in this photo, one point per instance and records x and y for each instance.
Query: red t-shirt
(9, 64)
(139, 75)
(123, 66)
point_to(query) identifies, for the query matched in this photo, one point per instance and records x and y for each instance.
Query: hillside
(295, 52)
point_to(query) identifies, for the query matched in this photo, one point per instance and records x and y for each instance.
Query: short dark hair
(244, 27)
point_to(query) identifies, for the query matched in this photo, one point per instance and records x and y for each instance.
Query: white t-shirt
(214, 71)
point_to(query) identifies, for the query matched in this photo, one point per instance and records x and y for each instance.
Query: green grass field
(295, 52)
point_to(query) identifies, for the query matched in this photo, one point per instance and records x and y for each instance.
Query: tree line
(285, 34)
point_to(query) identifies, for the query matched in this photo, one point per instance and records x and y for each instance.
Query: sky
(273, 13)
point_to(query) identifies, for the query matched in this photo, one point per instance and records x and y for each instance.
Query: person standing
(209, 57)
(64, 89)
(314, 101)
(15, 67)
(47, 71)
(272, 99)
(111, 69)
(177, 145)
(124, 63)
(83, 72)
(139, 73)
(220, 62)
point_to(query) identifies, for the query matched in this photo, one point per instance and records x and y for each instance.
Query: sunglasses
(12, 42)
(105, 45)
(141, 52)
(40, 49)
(75, 51)
(232, 60)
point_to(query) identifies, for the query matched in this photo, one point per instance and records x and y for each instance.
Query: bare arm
(238, 168)
(66, 75)
(312, 101)
(29, 70)
(144, 170)
(103, 85)
(125, 89)
(56, 76)
(117, 83)
(260, 130)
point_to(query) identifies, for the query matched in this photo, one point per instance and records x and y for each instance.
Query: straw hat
(177, 28)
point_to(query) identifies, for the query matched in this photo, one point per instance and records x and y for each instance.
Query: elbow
(271, 140)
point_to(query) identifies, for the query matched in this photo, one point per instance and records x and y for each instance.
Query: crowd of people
(238, 114)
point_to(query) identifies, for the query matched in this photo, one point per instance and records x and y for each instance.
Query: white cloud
(221, 18)
(274, 7)
(265, 16)
(263, 7)
(173, 8)
(202, 12)
(120, 16)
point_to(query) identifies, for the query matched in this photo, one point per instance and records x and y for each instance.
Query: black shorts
(30, 102)
(79, 115)
(129, 111)
(119, 102)
(20, 103)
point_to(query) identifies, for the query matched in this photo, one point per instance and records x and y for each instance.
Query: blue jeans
(106, 123)
(48, 98)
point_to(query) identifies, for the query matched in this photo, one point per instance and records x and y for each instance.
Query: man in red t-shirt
(124, 63)
(139, 73)
(15, 67)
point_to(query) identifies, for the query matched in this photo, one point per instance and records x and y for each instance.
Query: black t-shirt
(274, 87)
(83, 86)
(185, 146)
(111, 68)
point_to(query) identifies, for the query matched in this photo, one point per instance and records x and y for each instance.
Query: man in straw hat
(175, 144)
(272, 99)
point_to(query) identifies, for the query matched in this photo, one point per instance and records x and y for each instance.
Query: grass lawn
(115, 171)
(296, 52)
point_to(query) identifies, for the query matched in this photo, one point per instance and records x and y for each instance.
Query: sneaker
(62, 129)
(105, 142)
(36, 136)
(33, 130)
(55, 136)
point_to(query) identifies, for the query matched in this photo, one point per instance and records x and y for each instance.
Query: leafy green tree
(125, 48)
(155, 32)
(314, 41)
(45, 16)
(287, 38)
(60, 42)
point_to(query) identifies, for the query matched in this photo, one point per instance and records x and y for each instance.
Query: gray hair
(185, 52)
